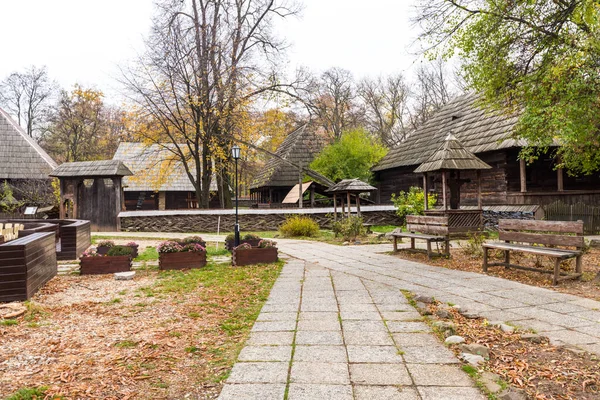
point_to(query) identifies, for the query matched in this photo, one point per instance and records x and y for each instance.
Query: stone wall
(203, 222)
(491, 217)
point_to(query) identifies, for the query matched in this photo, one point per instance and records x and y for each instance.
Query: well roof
(20, 156)
(452, 155)
(91, 169)
(299, 148)
(155, 168)
(351, 185)
(478, 129)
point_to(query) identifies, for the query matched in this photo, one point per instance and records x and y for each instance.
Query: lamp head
(235, 152)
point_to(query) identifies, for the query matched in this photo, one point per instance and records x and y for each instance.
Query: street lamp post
(235, 153)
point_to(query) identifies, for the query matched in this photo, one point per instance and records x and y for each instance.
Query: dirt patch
(543, 371)
(461, 259)
(161, 335)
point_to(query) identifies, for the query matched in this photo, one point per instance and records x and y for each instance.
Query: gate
(590, 215)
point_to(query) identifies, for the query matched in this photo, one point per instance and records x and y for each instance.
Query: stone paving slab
(348, 338)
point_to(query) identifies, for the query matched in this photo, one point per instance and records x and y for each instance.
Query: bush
(192, 239)
(230, 237)
(473, 246)
(298, 226)
(194, 247)
(119, 251)
(106, 243)
(251, 236)
(265, 244)
(349, 228)
(412, 202)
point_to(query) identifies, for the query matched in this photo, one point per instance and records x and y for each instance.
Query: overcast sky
(84, 41)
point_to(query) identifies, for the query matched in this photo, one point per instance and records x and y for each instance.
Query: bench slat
(433, 229)
(426, 220)
(545, 251)
(540, 238)
(419, 236)
(542, 226)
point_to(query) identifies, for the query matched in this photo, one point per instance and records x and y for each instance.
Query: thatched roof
(452, 155)
(91, 169)
(20, 156)
(299, 148)
(351, 185)
(155, 168)
(477, 129)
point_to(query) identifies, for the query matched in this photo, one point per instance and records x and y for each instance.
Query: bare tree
(27, 96)
(386, 107)
(207, 60)
(434, 88)
(333, 100)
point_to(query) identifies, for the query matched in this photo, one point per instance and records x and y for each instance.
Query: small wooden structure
(450, 159)
(92, 190)
(349, 188)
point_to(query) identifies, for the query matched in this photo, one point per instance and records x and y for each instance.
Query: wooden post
(523, 175)
(479, 189)
(334, 207)
(444, 190)
(349, 204)
(425, 190)
(300, 191)
(61, 206)
(358, 204)
(312, 196)
(343, 209)
(559, 179)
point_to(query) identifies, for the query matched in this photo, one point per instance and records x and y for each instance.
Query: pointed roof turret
(452, 155)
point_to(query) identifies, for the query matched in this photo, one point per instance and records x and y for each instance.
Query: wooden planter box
(252, 242)
(254, 255)
(182, 260)
(134, 250)
(104, 265)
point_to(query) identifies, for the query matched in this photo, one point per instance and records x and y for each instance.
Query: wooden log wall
(248, 222)
(26, 264)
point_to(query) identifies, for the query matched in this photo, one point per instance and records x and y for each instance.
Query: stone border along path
(325, 334)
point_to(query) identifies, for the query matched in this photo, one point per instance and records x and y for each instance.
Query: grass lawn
(169, 334)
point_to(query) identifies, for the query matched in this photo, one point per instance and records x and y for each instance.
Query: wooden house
(21, 158)
(283, 171)
(489, 135)
(159, 181)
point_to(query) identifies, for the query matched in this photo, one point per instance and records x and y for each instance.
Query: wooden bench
(430, 229)
(539, 238)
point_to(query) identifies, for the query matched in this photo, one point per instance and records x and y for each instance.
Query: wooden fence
(590, 215)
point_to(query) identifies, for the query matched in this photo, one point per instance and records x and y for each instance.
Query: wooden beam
(445, 202)
(559, 179)
(479, 189)
(334, 207)
(300, 191)
(349, 204)
(523, 175)
(425, 191)
(357, 204)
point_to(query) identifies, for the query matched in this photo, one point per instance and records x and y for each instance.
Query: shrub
(412, 202)
(195, 247)
(243, 246)
(230, 237)
(473, 246)
(169, 247)
(299, 226)
(192, 239)
(119, 251)
(349, 228)
(251, 236)
(265, 244)
(106, 243)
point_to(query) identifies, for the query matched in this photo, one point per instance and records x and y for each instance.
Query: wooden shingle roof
(478, 130)
(299, 148)
(20, 156)
(91, 169)
(351, 185)
(155, 168)
(452, 155)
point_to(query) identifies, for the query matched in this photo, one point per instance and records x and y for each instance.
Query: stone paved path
(325, 334)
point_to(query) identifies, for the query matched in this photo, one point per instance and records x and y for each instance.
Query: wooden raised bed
(26, 264)
(254, 255)
(182, 260)
(104, 265)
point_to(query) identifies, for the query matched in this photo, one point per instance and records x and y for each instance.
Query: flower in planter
(131, 244)
(243, 246)
(119, 251)
(106, 243)
(91, 253)
(169, 247)
(195, 247)
(266, 244)
(251, 236)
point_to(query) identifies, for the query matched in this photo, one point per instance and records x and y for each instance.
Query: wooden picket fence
(590, 215)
